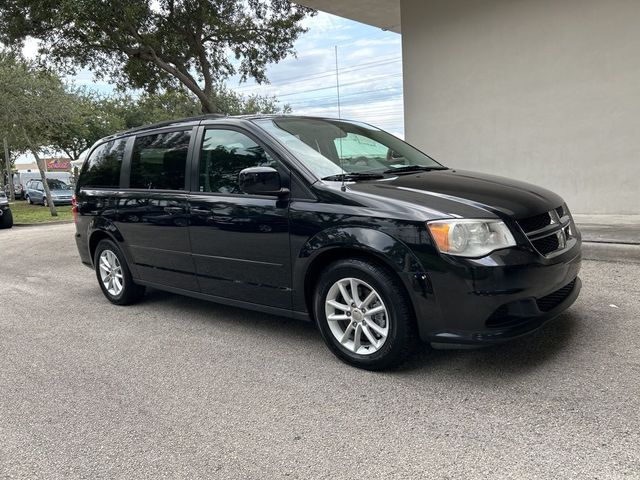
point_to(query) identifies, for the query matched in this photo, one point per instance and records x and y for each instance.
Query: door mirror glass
(260, 181)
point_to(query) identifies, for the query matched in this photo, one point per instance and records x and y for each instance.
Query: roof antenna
(342, 187)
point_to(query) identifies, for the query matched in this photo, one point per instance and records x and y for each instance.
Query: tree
(92, 118)
(171, 104)
(152, 44)
(33, 106)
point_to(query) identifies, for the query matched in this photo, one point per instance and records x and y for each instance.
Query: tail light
(74, 207)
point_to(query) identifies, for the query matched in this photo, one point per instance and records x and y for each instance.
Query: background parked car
(22, 178)
(17, 190)
(60, 192)
(6, 217)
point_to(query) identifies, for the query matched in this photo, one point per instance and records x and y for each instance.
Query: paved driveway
(180, 388)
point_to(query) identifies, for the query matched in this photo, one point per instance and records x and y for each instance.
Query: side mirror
(261, 181)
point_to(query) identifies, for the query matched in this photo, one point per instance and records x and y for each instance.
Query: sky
(369, 73)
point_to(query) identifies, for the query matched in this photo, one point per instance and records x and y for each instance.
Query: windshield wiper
(414, 168)
(353, 176)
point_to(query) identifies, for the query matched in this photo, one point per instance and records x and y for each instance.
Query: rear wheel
(364, 315)
(45, 202)
(114, 276)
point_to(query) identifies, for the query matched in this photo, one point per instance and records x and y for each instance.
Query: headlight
(470, 238)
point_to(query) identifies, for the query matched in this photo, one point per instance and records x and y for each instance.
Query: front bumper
(62, 201)
(503, 296)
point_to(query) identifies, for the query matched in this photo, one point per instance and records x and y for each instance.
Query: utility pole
(7, 164)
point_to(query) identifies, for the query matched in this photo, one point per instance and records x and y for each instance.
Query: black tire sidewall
(394, 300)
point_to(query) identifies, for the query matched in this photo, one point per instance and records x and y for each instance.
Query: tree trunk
(47, 192)
(7, 166)
(45, 185)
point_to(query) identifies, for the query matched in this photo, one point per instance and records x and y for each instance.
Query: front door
(240, 242)
(152, 213)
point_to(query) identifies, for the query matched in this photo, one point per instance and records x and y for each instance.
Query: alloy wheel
(111, 272)
(357, 316)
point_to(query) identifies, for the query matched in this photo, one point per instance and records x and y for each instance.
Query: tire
(6, 221)
(395, 320)
(28, 199)
(44, 202)
(130, 292)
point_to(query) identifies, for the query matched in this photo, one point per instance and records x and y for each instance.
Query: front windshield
(58, 185)
(333, 147)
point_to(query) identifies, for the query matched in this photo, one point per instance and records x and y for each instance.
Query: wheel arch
(362, 243)
(96, 237)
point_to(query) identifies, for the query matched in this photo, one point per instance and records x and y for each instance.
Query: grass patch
(24, 213)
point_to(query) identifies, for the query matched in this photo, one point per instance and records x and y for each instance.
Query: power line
(325, 74)
(368, 80)
(393, 91)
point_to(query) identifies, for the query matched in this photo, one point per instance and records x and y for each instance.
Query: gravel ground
(180, 388)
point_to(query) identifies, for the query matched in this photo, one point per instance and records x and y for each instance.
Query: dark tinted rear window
(159, 161)
(102, 170)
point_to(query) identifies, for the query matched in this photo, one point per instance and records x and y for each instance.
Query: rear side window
(159, 161)
(102, 169)
(224, 154)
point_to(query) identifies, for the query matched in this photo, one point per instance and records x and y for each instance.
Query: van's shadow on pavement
(507, 360)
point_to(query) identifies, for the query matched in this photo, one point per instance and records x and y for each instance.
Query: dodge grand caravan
(329, 220)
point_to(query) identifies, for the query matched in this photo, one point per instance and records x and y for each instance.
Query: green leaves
(33, 103)
(159, 44)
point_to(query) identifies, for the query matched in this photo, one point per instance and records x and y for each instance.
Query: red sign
(57, 164)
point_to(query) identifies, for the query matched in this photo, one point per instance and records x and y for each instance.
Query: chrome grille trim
(554, 236)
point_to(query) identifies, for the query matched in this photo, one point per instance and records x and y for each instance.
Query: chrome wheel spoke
(346, 334)
(370, 336)
(339, 306)
(345, 294)
(356, 337)
(377, 329)
(374, 310)
(372, 296)
(354, 291)
(335, 317)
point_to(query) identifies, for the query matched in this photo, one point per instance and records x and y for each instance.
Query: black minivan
(330, 220)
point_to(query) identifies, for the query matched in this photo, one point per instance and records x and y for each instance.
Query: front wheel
(114, 276)
(364, 314)
(28, 198)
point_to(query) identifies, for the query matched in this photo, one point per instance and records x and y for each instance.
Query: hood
(463, 193)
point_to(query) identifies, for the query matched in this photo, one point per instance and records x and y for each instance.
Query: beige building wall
(546, 91)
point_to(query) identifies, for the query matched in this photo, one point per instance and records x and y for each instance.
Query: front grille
(551, 301)
(546, 245)
(548, 232)
(535, 223)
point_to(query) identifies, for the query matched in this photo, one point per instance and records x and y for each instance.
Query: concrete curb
(611, 252)
(43, 224)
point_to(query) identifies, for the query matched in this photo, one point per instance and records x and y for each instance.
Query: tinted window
(159, 161)
(102, 169)
(224, 154)
(58, 185)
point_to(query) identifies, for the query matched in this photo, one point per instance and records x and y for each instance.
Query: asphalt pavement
(180, 388)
